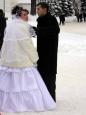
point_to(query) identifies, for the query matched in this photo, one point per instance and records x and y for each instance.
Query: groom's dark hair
(43, 5)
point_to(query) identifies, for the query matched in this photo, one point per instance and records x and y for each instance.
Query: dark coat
(2, 28)
(47, 43)
(62, 18)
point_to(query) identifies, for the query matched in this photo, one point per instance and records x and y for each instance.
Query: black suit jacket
(47, 43)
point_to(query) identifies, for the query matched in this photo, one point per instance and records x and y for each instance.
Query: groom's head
(42, 8)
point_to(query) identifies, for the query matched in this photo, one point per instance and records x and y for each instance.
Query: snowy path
(74, 44)
(71, 78)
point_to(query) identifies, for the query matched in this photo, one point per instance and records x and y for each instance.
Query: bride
(21, 86)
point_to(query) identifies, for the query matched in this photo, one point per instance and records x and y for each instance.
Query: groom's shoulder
(52, 17)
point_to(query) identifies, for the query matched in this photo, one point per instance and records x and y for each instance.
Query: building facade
(7, 5)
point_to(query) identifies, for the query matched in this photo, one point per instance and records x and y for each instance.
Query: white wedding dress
(21, 86)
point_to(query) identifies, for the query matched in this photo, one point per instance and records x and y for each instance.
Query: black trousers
(50, 81)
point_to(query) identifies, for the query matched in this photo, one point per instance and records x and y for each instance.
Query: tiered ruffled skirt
(23, 90)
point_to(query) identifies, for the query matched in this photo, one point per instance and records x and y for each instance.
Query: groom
(47, 46)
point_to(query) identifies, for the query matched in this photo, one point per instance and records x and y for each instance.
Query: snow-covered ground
(71, 77)
(72, 44)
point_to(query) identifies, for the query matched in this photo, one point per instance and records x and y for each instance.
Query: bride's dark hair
(15, 9)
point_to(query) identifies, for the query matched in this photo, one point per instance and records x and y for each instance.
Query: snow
(73, 44)
(24, 1)
(71, 19)
(71, 80)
